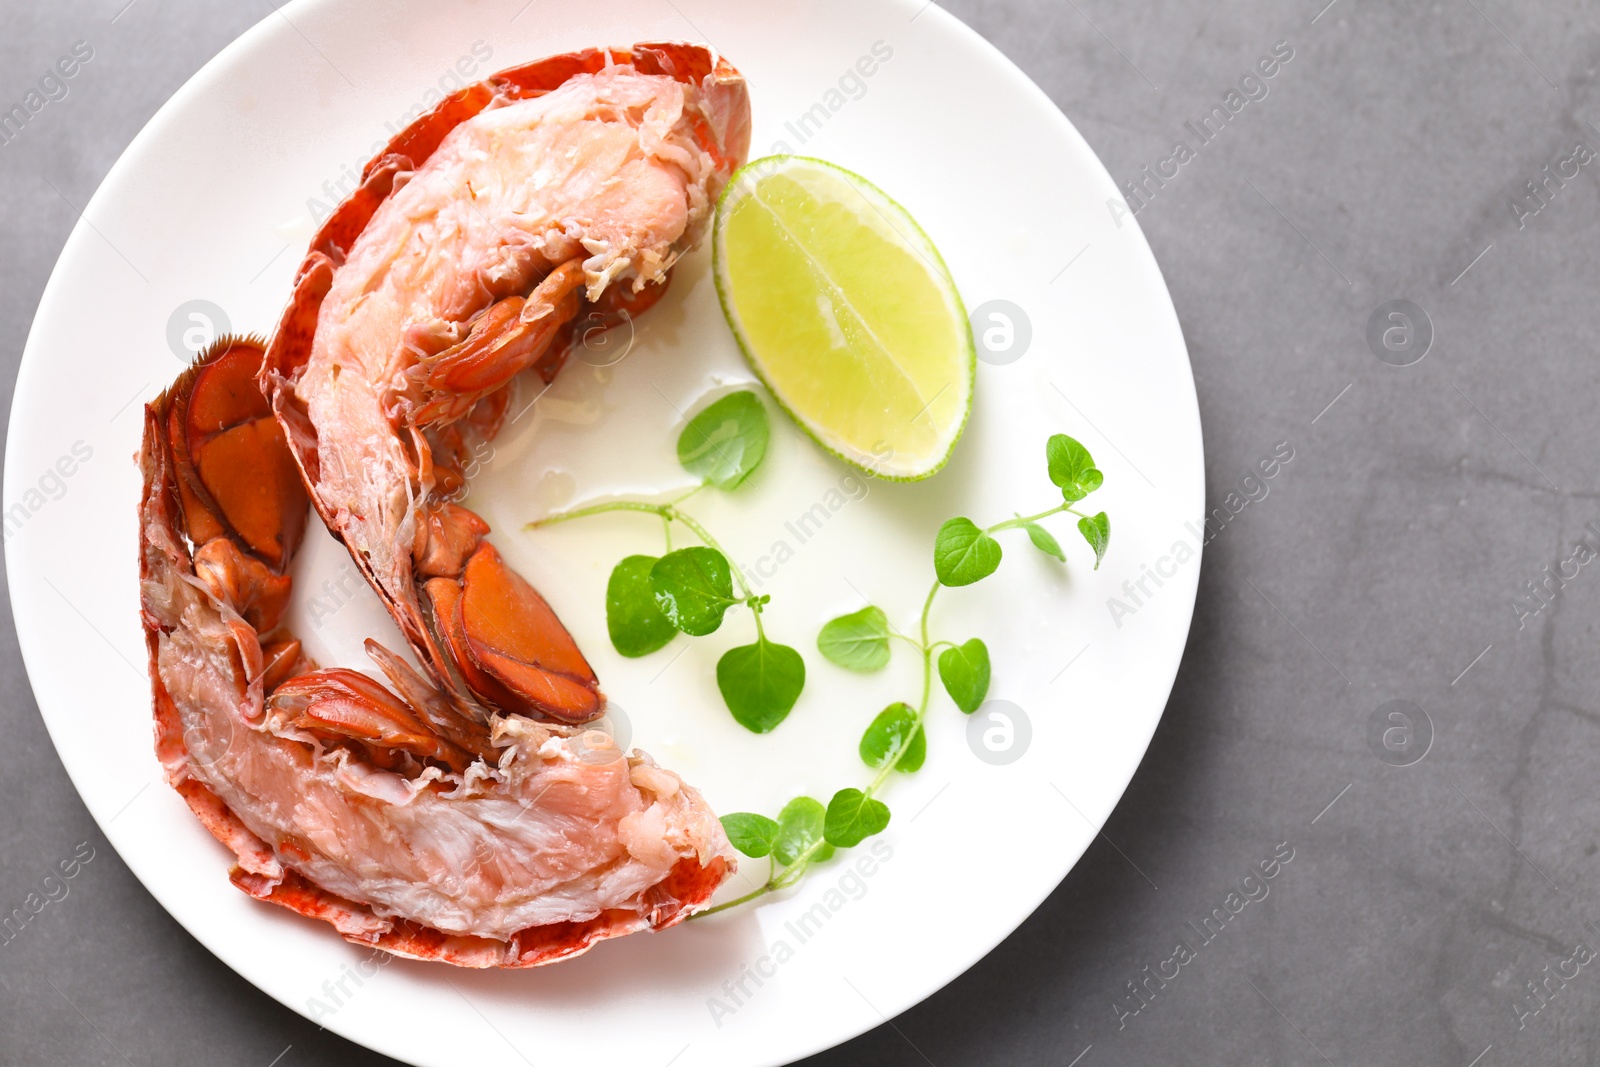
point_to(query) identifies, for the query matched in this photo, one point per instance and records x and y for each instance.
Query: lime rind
(926, 467)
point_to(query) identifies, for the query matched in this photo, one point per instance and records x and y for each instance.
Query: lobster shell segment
(433, 817)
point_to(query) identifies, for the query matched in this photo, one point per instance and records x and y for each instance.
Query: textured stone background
(1385, 562)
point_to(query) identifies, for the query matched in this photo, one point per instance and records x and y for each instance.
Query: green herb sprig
(806, 832)
(651, 599)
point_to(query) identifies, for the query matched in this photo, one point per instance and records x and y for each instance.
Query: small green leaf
(963, 554)
(725, 441)
(859, 641)
(1071, 467)
(760, 683)
(964, 670)
(1044, 541)
(888, 733)
(800, 826)
(752, 834)
(633, 618)
(853, 817)
(693, 587)
(1096, 531)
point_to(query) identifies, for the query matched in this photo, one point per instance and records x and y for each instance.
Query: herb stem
(669, 513)
(711, 543)
(664, 510)
(926, 649)
(686, 495)
(791, 874)
(725, 905)
(1023, 520)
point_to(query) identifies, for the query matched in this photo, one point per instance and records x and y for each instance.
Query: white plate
(213, 201)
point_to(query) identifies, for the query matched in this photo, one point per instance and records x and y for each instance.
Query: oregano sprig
(651, 599)
(896, 739)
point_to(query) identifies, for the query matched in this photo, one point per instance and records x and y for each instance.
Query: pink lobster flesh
(464, 815)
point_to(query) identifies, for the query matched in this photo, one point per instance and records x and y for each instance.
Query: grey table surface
(1388, 160)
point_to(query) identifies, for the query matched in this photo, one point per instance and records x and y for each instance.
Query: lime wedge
(844, 308)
